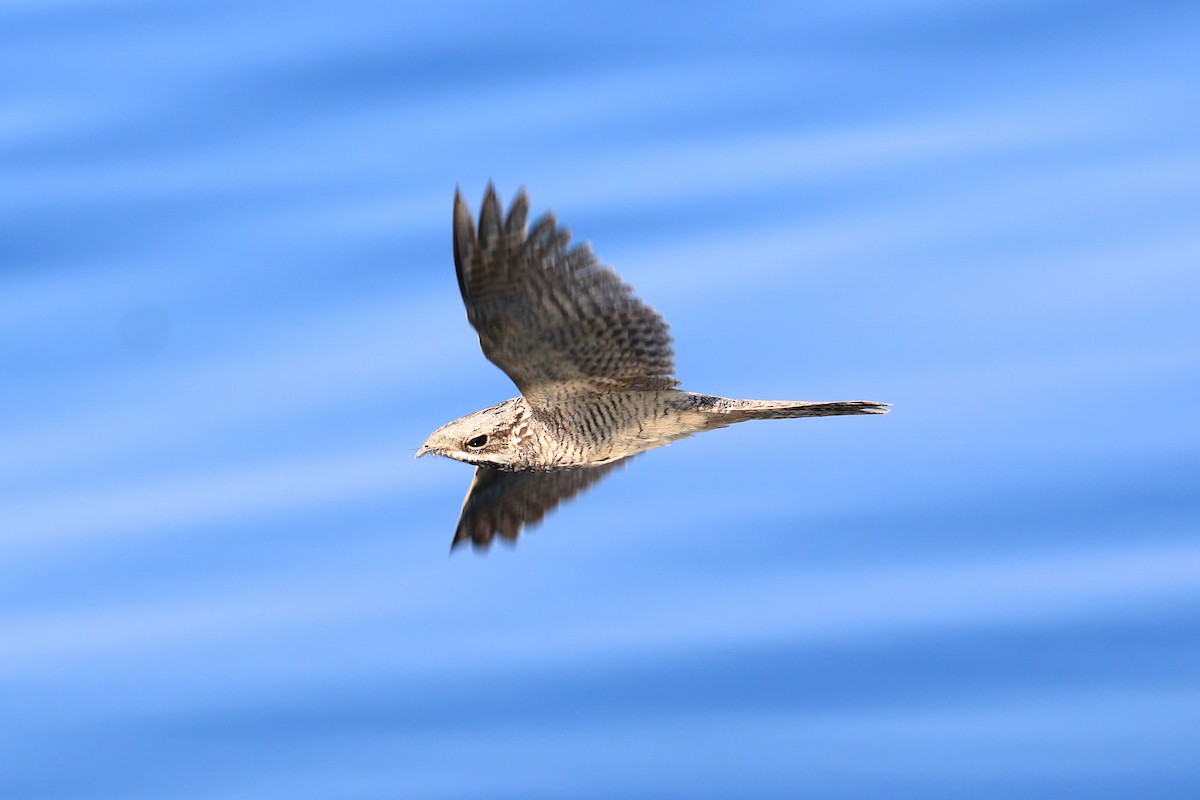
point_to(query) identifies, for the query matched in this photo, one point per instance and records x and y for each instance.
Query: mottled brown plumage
(593, 363)
(501, 502)
(548, 314)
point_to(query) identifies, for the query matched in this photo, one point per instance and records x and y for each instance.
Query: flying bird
(593, 363)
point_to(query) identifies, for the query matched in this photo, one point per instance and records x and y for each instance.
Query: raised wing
(550, 315)
(501, 503)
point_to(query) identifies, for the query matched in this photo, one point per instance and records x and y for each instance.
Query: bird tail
(724, 411)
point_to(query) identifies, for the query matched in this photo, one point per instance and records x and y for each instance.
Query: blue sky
(229, 317)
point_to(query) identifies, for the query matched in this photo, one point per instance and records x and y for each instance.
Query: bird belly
(624, 424)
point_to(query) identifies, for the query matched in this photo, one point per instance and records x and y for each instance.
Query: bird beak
(424, 450)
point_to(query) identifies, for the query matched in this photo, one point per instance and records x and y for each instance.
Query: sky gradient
(228, 318)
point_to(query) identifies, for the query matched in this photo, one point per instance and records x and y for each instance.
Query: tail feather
(725, 411)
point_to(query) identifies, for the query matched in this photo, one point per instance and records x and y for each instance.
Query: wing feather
(500, 503)
(549, 314)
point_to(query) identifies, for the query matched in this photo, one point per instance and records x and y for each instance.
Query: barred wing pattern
(500, 503)
(549, 315)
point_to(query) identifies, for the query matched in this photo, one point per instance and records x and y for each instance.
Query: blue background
(228, 317)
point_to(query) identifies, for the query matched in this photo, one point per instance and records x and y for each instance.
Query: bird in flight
(593, 363)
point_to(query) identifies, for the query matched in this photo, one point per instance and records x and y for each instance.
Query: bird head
(487, 438)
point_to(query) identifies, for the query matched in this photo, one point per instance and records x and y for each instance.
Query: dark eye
(477, 442)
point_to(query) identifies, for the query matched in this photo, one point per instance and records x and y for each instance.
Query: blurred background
(228, 317)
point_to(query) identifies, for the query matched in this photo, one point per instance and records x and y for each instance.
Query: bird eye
(477, 442)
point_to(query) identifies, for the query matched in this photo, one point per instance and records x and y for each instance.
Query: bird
(593, 363)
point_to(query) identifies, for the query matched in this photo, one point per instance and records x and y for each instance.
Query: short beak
(424, 450)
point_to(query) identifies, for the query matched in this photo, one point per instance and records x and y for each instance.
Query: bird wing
(550, 315)
(501, 502)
